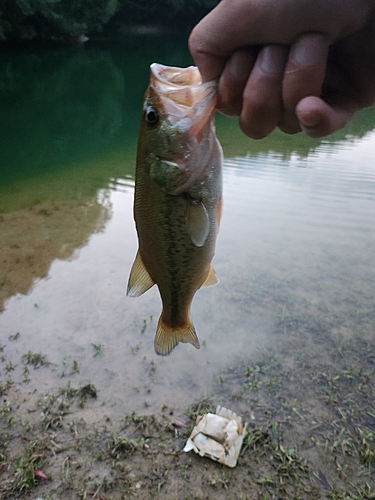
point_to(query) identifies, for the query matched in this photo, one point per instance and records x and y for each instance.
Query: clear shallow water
(296, 245)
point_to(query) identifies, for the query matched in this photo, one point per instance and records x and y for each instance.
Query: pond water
(296, 250)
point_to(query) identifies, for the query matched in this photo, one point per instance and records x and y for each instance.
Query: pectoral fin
(211, 279)
(198, 223)
(139, 280)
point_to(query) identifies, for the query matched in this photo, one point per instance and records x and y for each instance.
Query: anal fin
(167, 337)
(211, 279)
(139, 280)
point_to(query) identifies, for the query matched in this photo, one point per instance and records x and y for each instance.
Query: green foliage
(57, 19)
(158, 11)
(61, 19)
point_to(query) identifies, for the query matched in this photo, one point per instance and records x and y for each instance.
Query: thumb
(238, 24)
(216, 37)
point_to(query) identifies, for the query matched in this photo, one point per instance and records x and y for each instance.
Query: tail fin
(167, 337)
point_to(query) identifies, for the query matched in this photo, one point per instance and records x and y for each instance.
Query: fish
(177, 199)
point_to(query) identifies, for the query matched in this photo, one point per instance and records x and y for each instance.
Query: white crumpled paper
(218, 436)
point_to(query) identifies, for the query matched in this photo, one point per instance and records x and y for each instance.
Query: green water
(295, 253)
(67, 111)
(65, 108)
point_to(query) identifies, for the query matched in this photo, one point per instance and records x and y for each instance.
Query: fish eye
(152, 117)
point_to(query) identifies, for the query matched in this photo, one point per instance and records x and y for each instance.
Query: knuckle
(196, 41)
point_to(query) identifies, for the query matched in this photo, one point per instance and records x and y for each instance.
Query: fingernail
(272, 59)
(309, 121)
(309, 50)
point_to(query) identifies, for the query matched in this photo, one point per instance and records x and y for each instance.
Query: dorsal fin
(139, 280)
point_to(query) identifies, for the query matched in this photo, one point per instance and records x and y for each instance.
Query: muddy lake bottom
(310, 435)
(88, 411)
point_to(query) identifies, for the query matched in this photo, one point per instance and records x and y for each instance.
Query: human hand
(307, 65)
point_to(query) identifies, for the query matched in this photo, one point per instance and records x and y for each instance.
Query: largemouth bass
(177, 204)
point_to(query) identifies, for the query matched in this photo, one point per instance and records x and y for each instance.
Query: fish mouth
(186, 100)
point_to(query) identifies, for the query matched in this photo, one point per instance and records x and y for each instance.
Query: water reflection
(32, 239)
(62, 108)
(295, 252)
(289, 147)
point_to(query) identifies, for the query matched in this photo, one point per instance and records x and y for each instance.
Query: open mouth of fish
(189, 106)
(189, 103)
